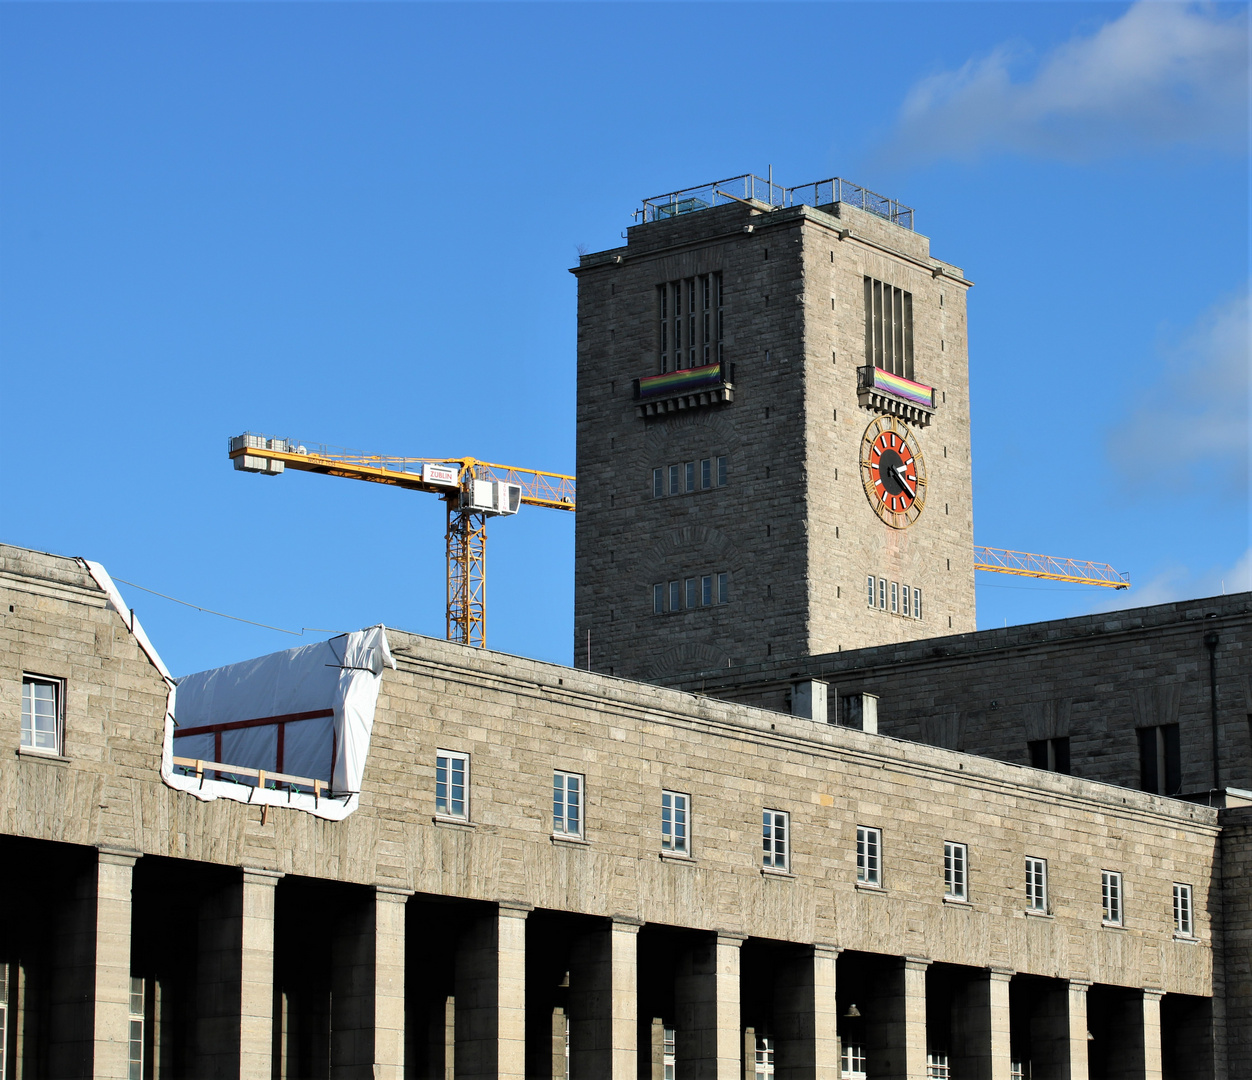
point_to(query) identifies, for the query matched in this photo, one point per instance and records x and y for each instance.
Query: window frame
(775, 850)
(1037, 884)
(560, 826)
(658, 483)
(671, 845)
(1112, 898)
(956, 877)
(1184, 913)
(30, 680)
(658, 599)
(723, 587)
(448, 812)
(869, 870)
(135, 1027)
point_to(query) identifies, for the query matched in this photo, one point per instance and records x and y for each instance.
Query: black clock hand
(900, 470)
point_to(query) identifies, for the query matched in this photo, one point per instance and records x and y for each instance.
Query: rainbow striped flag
(680, 382)
(904, 388)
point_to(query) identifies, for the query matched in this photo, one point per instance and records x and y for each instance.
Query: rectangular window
(775, 825)
(658, 599)
(675, 479)
(905, 607)
(938, 1066)
(852, 1066)
(658, 483)
(869, 582)
(1050, 754)
(42, 714)
(1160, 760)
(895, 598)
(721, 472)
(690, 323)
(567, 804)
(675, 596)
(136, 1028)
(917, 603)
(706, 473)
(868, 856)
(691, 475)
(1111, 897)
(954, 856)
(723, 588)
(888, 328)
(669, 1055)
(882, 594)
(706, 590)
(764, 1057)
(674, 822)
(452, 784)
(1183, 923)
(1036, 884)
(693, 592)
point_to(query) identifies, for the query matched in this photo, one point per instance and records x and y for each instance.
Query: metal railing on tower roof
(765, 194)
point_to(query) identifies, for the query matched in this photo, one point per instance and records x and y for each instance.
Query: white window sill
(1035, 913)
(567, 838)
(1112, 925)
(29, 754)
(777, 872)
(869, 886)
(1187, 939)
(458, 822)
(957, 901)
(676, 856)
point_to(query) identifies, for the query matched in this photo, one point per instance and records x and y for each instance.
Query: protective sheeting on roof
(305, 714)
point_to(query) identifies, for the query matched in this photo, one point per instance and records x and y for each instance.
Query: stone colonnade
(248, 1023)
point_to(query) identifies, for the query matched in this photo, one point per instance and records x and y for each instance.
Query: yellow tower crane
(472, 491)
(476, 490)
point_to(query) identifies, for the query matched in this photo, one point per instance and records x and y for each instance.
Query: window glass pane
(721, 472)
(870, 584)
(723, 588)
(658, 599)
(895, 598)
(658, 483)
(706, 590)
(675, 596)
(693, 595)
(706, 473)
(691, 476)
(674, 480)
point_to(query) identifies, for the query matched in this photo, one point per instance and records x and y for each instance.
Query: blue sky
(352, 224)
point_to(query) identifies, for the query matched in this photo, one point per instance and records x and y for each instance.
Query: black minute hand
(900, 470)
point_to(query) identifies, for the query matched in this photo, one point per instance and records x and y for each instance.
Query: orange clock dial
(893, 472)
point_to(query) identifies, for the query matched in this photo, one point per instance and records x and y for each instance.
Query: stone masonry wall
(520, 719)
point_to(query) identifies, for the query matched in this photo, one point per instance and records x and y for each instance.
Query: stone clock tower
(773, 433)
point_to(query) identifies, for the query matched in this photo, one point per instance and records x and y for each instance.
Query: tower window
(723, 588)
(895, 598)
(658, 483)
(693, 594)
(690, 322)
(675, 596)
(674, 480)
(888, 328)
(955, 857)
(869, 584)
(1036, 884)
(706, 473)
(1111, 897)
(882, 594)
(869, 856)
(1183, 924)
(1050, 754)
(690, 475)
(775, 824)
(1160, 760)
(658, 599)
(706, 590)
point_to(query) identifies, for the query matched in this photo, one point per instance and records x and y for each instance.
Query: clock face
(893, 472)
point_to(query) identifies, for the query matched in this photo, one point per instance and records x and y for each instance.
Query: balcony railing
(884, 392)
(688, 388)
(765, 194)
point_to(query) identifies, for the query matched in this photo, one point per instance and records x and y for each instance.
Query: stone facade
(1095, 680)
(399, 943)
(792, 527)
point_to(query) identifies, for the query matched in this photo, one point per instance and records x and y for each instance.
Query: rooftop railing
(765, 193)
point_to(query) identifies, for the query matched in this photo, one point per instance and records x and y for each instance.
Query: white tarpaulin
(306, 712)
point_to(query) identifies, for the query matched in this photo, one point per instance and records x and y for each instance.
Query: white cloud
(1180, 582)
(1162, 74)
(1189, 426)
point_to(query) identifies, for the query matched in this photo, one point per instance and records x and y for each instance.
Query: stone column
(111, 1034)
(706, 993)
(1073, 1032)
(1152, 1064)
(806, 1017)
(367, 995)
(982, 1029)
(491, 996)
(235, 977)
(899, 1041)
(603, 1003)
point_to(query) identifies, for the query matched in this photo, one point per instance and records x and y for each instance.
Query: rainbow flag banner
(904, 388)
(681, 382)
